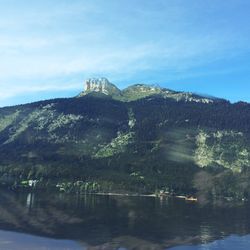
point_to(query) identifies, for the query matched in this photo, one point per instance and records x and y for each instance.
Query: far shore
(149, 195)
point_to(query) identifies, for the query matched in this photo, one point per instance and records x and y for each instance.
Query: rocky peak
(101, 85)
(104, 86)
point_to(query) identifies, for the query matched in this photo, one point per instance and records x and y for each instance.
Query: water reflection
(19, 241)
(30, 200)
(105, 222)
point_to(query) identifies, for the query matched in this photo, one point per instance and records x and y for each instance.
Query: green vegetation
(222, 148)
(7, 120)
(116, 146)
(138, 91)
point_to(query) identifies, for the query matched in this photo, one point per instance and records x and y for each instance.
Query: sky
(49, 47)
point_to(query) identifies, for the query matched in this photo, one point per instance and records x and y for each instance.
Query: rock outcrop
(101, 85)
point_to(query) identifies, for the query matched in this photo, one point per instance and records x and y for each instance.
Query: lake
(44, 221)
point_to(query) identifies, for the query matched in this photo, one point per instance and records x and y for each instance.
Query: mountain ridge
(140, 90)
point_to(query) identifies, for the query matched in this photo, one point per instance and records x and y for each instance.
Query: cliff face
(100, 85)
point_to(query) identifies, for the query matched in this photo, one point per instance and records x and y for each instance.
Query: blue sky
(48, 47)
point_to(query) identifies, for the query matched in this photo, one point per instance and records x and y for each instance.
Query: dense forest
(145, 144)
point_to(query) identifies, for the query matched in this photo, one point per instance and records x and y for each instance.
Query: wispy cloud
(46, 40)
(7, 91)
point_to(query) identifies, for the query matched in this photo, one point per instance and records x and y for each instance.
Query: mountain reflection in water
(113, 222)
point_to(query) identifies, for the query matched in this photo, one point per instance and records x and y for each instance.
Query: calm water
(59, 221)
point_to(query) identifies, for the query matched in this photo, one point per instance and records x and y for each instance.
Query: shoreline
(127, 194)
(182, 197)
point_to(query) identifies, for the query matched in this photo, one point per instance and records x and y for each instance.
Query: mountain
(142, 138)
(138, 91)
